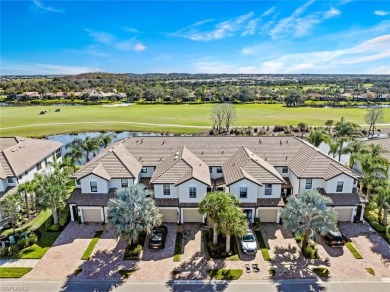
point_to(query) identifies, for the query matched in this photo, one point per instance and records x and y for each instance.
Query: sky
(257, 37)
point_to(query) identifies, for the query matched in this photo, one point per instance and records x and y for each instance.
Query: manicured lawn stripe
(116, 118)
(371, 271)
(353, 250)
(88, 252)
(178, 244)
(38, 250)
(262, 245)
(225, 274)
(13, 272)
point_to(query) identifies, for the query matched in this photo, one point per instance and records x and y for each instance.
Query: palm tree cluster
(132, 212)
(224, 213)
(82, 150)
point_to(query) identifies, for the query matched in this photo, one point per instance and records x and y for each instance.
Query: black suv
(158, 236)
(334, 238)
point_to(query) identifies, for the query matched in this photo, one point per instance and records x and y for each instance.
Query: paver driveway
(64, 256)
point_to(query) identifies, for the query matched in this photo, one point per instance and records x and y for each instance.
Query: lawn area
(88, 252)
(178, 247)
(262, 245)
(13, 272)
(353, 250)
(225, 274)
(26, 121)
(37, 250)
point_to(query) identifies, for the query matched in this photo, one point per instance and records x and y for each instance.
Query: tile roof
(19, 154)
(92, 199)
(180, 167)
(162, 202)
(244, 164)
(270, 202)
(342, 199)
(385, 143)
(113, 162)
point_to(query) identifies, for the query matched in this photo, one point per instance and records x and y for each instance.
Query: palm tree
(233, 222)
(347, 129)
(333, 148)
(214, 205)
(308, 214)
(106, 139)
(10, 209)
(88, 146)
(51, 191)
(24, 190)
(355, 148)
(382, 200)
(75, 155)
(133, 211)
(316, 137)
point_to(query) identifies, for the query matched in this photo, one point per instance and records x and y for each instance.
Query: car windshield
(156, 235)
(335, 235)
(248, 238)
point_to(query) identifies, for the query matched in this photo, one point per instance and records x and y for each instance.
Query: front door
(248, 213)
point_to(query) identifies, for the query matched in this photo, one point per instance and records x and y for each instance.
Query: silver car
(248, 243)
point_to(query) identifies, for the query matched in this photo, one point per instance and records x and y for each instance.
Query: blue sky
(69, 37)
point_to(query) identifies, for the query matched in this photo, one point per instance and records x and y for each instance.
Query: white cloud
(132, 30)
(11, 68)
(110, 40)
(298, 25)
(378, 70)
(381, 12)
(252, 24)
(221, 30)
(38, 4)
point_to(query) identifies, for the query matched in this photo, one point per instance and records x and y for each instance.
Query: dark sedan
(157, 238)
(334, 238)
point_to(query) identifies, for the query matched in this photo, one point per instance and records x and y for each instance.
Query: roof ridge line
(121, 161)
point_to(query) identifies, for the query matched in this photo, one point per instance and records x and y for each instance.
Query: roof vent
(202, 153)
(177, 153)
(21, 146)
(265, 159)
(14, 150)
(223, 151)
(22, 139)
(260, 141)
(286, 141)
(281, 143)
(163, 142)
(286, 157)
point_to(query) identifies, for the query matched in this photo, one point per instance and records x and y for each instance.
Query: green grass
(371, 215)
(38, 250)
(178, 245)
(225, 274)
(133, 252)
(371, 271)
(262, 246)
(13, 272)
(321, 272)
(353, 250)
(30, 226)
(77, 272)
(125, 273)
(88, 252)
(16, 119)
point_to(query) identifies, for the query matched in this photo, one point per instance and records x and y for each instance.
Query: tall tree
(233, 222)
(88, 146)
(133, 211)
(308, 214)
(382, 200)
(230, 115)
(317, 137)
(214, 205)
(217, 116)
(354, 149)
(51, 191)
(106, 139)
(347, 129)
(10, 208)
(372, 117)
(24, 191)
(329, 124)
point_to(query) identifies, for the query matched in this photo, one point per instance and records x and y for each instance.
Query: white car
(248, 243)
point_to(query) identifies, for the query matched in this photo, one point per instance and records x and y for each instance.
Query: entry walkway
(18, 263)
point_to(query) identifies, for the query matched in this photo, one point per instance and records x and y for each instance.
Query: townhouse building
(179, 171)
(21, 158)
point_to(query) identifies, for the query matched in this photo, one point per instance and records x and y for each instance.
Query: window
(243, 192)
(309, 183)
(192, 192)
(58, 153)
(219, 169)
(268, 190)
(11, 180)
(340, 185)
(284, 169)
(144, 169)
(93, 186)
(39, 165)
(166, 190)
(124, 183)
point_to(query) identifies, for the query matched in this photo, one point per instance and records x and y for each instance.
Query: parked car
(334, 238)
(248, 243)
(158, 236)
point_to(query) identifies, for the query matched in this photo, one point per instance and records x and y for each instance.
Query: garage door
(169, 215)
(191, 215)
(268, 215)
(92, 215)
(344, 214)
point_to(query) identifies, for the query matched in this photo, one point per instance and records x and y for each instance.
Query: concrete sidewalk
(18, 263)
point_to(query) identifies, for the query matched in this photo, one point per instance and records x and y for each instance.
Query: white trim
(71, 211)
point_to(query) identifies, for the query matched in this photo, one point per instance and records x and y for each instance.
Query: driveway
(374, 249)
(61, 260)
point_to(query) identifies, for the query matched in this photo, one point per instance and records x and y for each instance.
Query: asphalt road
(117, 286)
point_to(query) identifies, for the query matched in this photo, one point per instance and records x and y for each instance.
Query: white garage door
(169, 215)
(268, 215)
(344, 214)
(92, 215)
(191, 215)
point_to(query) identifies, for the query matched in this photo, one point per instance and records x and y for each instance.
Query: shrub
(12, 250)
(178, 246)
(279, 128)
(3, 251)
(32, 238)
(133, 252)
(53, 228)
(23, 243)
(321, 272)
(63, 217)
